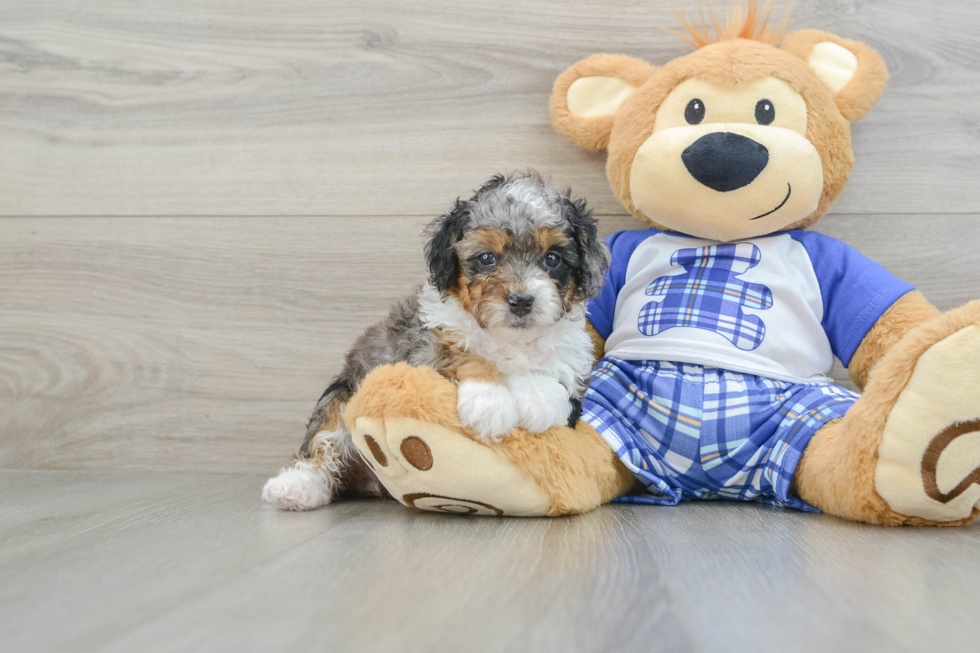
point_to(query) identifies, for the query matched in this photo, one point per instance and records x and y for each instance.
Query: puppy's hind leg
(326, 462)
(313, 479)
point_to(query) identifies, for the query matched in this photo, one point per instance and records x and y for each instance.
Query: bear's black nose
(724, 161)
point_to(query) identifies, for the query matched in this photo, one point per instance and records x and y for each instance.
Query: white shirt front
(786, 342)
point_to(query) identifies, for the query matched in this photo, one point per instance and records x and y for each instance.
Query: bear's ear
(854, 72)
(587, 96)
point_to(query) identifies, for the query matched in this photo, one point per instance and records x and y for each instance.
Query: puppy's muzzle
(520, 305)
(724, 161)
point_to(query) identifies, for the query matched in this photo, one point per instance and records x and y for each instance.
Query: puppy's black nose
(724, 161)
(520, 305)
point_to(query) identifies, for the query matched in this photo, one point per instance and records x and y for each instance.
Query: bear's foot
(404, 423)
(929, 457)
(908, 452)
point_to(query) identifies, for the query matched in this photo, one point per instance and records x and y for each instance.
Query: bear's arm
(866, 308)
(911, 310)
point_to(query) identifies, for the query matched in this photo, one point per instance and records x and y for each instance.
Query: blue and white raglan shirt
(779, 306)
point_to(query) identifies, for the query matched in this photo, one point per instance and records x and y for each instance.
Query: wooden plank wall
(204, 201)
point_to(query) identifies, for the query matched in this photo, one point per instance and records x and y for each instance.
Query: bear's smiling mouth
(789, 191)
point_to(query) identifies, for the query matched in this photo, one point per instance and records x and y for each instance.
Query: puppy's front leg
(484, 403)
(542, 402)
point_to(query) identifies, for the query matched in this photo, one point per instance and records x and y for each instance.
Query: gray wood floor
(151, 562)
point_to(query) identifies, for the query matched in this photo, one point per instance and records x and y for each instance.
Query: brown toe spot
(417, 452)
(376, 451)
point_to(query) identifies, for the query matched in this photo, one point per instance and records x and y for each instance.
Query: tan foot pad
(433, 468)
(929, 457)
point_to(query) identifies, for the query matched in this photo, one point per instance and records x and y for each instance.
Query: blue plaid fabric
(709, 295)
(690, 432)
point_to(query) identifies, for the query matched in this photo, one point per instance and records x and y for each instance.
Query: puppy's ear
(440, 252)
(586, 97)
(854, 72)
(593, 255)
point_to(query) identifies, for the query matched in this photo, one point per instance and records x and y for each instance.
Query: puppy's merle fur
(510, 271)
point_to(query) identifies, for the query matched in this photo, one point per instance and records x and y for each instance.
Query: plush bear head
(740, 138)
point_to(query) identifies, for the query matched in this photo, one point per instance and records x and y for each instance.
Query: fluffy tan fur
(741, 50)
(907, 313)
(744, 21)
(574, 467)
(859, 96)
(837, 472)
(593, 133)
(400, 389)
(728, 63)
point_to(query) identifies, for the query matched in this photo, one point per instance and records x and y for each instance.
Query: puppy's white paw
(298, 489)
(542, 402)
(487, 408)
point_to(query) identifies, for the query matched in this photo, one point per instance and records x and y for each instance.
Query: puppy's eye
(551, 260)
(765, 112)
(488, 259)
(694, 113)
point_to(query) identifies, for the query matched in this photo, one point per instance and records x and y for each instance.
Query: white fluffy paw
(298, 489)
(486, 408)
(542, 402)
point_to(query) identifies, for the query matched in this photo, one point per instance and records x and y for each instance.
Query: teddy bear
(719, 322)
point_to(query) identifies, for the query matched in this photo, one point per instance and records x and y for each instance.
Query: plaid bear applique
(709, 295)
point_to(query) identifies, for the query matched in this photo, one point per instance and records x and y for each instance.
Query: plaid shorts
(692, 432)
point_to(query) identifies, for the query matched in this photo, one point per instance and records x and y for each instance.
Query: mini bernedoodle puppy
(503, 315)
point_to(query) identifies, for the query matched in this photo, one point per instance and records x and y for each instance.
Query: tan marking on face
(548, 237)
(479, 295)
(464, 292)
(568, 300)
(482, 240)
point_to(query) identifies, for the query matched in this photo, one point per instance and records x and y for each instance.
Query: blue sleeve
(602, 309)
(856, 291)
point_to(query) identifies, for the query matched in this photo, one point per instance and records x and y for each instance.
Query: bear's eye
(694, 113)
(488, 259)
(765, 113)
